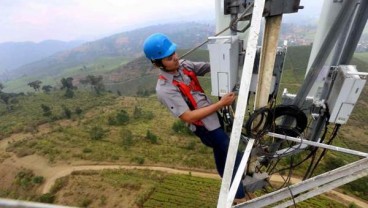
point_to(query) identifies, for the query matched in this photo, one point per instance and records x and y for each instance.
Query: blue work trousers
(218, 140)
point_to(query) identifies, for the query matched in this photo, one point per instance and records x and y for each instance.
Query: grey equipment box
(224, 56)
(345, 92)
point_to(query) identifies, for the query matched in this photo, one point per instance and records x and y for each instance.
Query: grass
(135, 188)
(97, 67)
(184, 191)
(68, 140)
(28, 114)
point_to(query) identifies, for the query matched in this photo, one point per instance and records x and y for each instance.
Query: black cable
(314, 151)
(292, 196)
(291, 111)
(265, 119)
(334, 133)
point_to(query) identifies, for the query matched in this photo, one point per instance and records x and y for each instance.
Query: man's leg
(220, 142)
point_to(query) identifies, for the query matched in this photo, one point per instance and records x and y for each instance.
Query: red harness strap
(186, 89)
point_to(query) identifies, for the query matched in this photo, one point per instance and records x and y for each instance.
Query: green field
(131, 130)
(98, 67)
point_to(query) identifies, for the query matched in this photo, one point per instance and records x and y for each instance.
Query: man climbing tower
(180, 91)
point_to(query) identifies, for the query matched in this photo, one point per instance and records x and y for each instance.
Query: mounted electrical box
(224, 56)
(345, 92)
(277, 70)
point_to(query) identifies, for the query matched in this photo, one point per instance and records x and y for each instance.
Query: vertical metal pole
(241, 104)
(267, 62)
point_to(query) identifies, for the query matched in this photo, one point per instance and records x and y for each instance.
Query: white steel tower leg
(225, 200)
(330, 12)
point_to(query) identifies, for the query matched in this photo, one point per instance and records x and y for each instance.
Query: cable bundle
(292, 123)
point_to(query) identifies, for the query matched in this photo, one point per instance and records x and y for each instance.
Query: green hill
(123, 46)
(108, 129)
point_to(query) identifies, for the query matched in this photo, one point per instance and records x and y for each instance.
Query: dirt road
(40, 166)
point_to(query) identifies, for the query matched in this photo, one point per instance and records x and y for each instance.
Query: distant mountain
(126, 44)
(16, 54)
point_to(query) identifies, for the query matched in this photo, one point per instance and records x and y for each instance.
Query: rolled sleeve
(174, 101)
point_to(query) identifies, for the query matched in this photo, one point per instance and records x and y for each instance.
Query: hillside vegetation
(108, 128)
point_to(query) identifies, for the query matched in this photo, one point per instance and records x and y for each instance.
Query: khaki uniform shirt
(170, 95)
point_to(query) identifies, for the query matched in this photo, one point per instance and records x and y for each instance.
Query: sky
(67, 20)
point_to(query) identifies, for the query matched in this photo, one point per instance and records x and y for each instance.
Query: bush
(69, 93)
(148, 115)
(138, 113)
(87, 150)
(151, 137)
(352, 205)
(67, 112)
(111, 121)
(138, 160)
(333, 163)
(122, 117)
(38, 179)
(47, 198)
(24, 178)
(181, 128)
(97, 133)
(78, 111)
(46, 110)
(359, 187)
(85, 202)
(127, 138)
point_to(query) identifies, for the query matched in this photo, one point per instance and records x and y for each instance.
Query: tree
(1, 87)
(35, 85)
(8, 99)
(47, 88)
(95, 82)
(68, 85)
(69, 93)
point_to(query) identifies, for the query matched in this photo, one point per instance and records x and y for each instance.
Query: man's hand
(190, 116)
(227, 99)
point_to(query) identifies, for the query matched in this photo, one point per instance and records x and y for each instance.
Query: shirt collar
(170, 76)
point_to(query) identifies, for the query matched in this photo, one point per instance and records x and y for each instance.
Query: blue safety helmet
(158, 46)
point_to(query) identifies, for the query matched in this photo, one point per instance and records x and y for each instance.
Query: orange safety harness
(186, 89)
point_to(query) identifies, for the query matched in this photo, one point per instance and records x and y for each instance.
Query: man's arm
(191, 116)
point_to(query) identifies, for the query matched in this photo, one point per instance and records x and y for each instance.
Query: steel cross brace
(312, 187)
